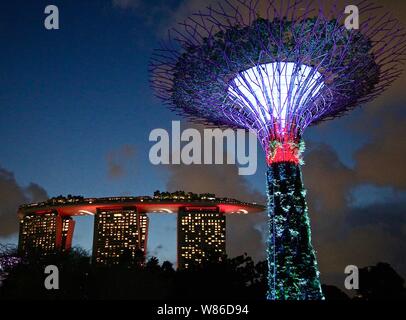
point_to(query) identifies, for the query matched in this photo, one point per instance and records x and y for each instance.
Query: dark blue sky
(72, 96)
(71, 99)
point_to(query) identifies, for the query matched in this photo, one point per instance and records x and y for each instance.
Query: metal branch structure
(277, 67)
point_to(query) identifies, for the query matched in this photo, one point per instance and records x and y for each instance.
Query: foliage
(293, 271)
(239, 278)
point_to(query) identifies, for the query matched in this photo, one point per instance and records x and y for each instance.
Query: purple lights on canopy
(276, 69)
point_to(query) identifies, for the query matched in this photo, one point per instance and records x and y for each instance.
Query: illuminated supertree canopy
(277, 69)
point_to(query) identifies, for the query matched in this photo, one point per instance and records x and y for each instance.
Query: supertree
(277, 69)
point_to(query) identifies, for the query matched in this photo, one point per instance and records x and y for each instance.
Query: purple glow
(276, 92)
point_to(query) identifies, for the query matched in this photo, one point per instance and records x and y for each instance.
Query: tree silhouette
(333, 293)
(220, 278)
(167, 267)
(380, 282)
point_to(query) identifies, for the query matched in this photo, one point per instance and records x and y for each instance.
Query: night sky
(76, 110)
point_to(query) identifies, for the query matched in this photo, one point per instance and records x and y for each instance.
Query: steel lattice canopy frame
(225, 66)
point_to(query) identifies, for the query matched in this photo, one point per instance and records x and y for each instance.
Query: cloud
(247, 234)
(343, 234)
(328, 180)
(12, 195)
(36, 193)
(223, 180)
(186, 8)
(382, 161)
(361, 246)
(118, 161)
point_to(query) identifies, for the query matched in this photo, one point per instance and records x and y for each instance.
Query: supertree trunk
(293, 271)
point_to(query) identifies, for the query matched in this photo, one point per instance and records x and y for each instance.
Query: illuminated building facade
(201, 235)
(120, 234)
(46, 233)
(121, 224)
(143, 238)
(38, 233)
(67, 225)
